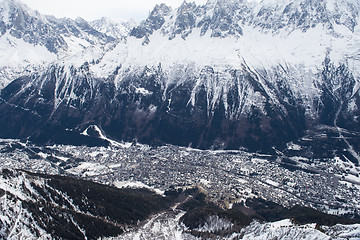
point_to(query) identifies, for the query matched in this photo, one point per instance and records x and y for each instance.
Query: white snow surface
(257, 49)
(283, 229)
(18, 57)
(102, 136)
(110, 27)
(351, 232)
(167, 226)
(88, 169)
(136, 184)
(161, 226)
(214, 224)
(7, 5)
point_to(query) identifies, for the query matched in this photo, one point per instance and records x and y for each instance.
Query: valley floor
(228, 178)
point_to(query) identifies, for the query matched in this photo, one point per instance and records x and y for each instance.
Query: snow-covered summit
(110, 28)
(37, 29)
(306, 14)
(8, 9)
(30, 40)
(228, 17)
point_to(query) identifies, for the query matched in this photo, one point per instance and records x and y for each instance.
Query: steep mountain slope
(228, 74)
(29, 40)
(37, 206)
(18, 57)
(40, 206)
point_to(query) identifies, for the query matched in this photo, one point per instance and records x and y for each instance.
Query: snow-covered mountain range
(227, 74)
(30, 40)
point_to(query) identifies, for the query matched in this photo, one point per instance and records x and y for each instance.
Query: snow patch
(293, 146)
(214, 224)
(88, 169)
(143, 91)
(136, 184)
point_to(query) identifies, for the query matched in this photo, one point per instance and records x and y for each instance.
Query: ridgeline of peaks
(228, 74)
(30, 40)
(21, 22)
(222, 18)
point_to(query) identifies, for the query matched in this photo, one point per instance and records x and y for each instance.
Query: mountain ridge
(250, 88)
(30, 40)
(226, 17)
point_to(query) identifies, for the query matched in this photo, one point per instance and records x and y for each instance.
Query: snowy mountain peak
(305, 14)
(15, 11)
(161, 9)
(222, 18)
(110, 28)
(29, 40)
(12, 3)
(34, 28)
